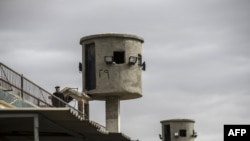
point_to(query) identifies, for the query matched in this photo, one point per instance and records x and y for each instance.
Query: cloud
(197, 55)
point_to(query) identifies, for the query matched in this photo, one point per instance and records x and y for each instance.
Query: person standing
(58, 94)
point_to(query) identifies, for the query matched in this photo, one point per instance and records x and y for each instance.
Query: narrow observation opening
(119, 57)
(183, 133)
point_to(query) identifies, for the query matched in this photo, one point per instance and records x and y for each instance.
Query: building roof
(55, 124)
(178, 120)
(117, 35)
(7, 99)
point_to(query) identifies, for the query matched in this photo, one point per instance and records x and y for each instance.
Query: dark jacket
(56, 102)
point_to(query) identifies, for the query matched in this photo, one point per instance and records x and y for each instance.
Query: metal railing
(19, 85)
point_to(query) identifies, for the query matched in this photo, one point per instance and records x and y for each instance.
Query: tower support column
(113, 114)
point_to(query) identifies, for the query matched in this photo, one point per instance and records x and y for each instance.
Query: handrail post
(22, 86)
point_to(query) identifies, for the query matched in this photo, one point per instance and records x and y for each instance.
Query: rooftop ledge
(118, 35)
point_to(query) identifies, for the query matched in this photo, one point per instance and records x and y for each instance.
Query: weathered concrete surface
(114, 81)
(175, 126)
(113, 114)
(121, 80)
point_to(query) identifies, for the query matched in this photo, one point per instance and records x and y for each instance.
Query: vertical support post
(80, 106)
(35, 121)
(83, 106)
(36, 128)
(113, 114)
(22, 86)
(86, 110)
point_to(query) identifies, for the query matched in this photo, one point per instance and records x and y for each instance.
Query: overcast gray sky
(197, 54)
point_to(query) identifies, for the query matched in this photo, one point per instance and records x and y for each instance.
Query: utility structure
(111, 71)
(178, 130)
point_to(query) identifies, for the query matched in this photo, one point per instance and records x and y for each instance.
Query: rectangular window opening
(183, 133)
(119, 57)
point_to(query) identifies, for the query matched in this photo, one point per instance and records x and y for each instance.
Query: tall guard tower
(178, 130)
(112, 66)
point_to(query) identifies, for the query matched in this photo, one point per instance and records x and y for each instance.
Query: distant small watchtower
(111, 71)
(178, 130)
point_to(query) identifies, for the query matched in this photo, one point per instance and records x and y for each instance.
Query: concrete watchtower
(112, 65)
(178, 130)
